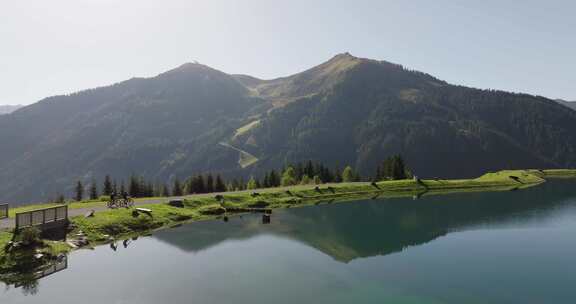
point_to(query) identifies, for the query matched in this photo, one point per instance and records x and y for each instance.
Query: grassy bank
(121, 223)
(557, 173)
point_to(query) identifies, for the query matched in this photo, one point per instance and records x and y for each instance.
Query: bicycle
(127, 203)
(112, 204)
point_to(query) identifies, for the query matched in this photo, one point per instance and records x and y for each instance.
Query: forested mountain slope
(377, 109)
(135, 127)
(347, 110)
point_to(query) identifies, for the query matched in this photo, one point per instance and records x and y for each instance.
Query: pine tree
(200, 184)
(274, 179)
(79, 191)
(133, 186)
(108, 187)
(192, 185)
(338, 175)
(209, 183)
(392, 167)
(93, 190)
(309, 169)
(265, 181)
(401, 173)
(165, 190)
(219, 185)
(177, 188)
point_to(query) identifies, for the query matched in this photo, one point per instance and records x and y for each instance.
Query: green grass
(120, 222)
(242, 130)
(559, 173)
(72, 205)
(5, 237)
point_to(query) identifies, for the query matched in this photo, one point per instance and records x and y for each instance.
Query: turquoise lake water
(499, 247)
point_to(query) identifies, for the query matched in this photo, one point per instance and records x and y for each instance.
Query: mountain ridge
(7, 109)
(347, 110)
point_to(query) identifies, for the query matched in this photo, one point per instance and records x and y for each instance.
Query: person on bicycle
(125, 195)
(112, 202)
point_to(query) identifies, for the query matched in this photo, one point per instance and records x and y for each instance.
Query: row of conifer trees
(299, 173)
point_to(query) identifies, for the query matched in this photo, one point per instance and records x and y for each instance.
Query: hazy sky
(61, 46)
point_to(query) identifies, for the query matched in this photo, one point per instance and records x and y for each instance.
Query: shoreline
(119, 224)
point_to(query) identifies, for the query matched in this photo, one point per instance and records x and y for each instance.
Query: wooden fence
(42, 218)
(3, 211)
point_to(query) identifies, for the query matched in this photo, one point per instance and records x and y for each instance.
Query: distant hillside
(347, 110)
(140, 126)
(7, 109)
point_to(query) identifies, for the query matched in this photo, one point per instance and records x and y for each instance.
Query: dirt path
(8, 223)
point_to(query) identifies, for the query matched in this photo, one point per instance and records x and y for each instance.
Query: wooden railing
(53, 215)
(3, 211)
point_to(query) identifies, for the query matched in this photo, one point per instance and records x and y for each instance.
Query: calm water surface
(504, 247)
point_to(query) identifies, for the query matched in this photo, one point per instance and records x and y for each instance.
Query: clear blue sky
(61, 46)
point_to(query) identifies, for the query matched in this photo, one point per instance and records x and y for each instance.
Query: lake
(495, 247)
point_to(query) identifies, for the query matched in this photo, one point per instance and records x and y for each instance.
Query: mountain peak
(344, 55)
(189, 66)
(193, 68)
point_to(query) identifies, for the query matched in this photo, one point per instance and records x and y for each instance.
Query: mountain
(137, 126)
(347, 110)
(361, 110)
(7, 109)
(570, 104)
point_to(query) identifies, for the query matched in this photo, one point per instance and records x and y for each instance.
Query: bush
(288, 178)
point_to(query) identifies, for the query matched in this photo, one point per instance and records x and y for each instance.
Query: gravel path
(8, 223)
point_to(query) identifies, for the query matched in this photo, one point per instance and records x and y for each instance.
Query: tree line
(301, 173)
